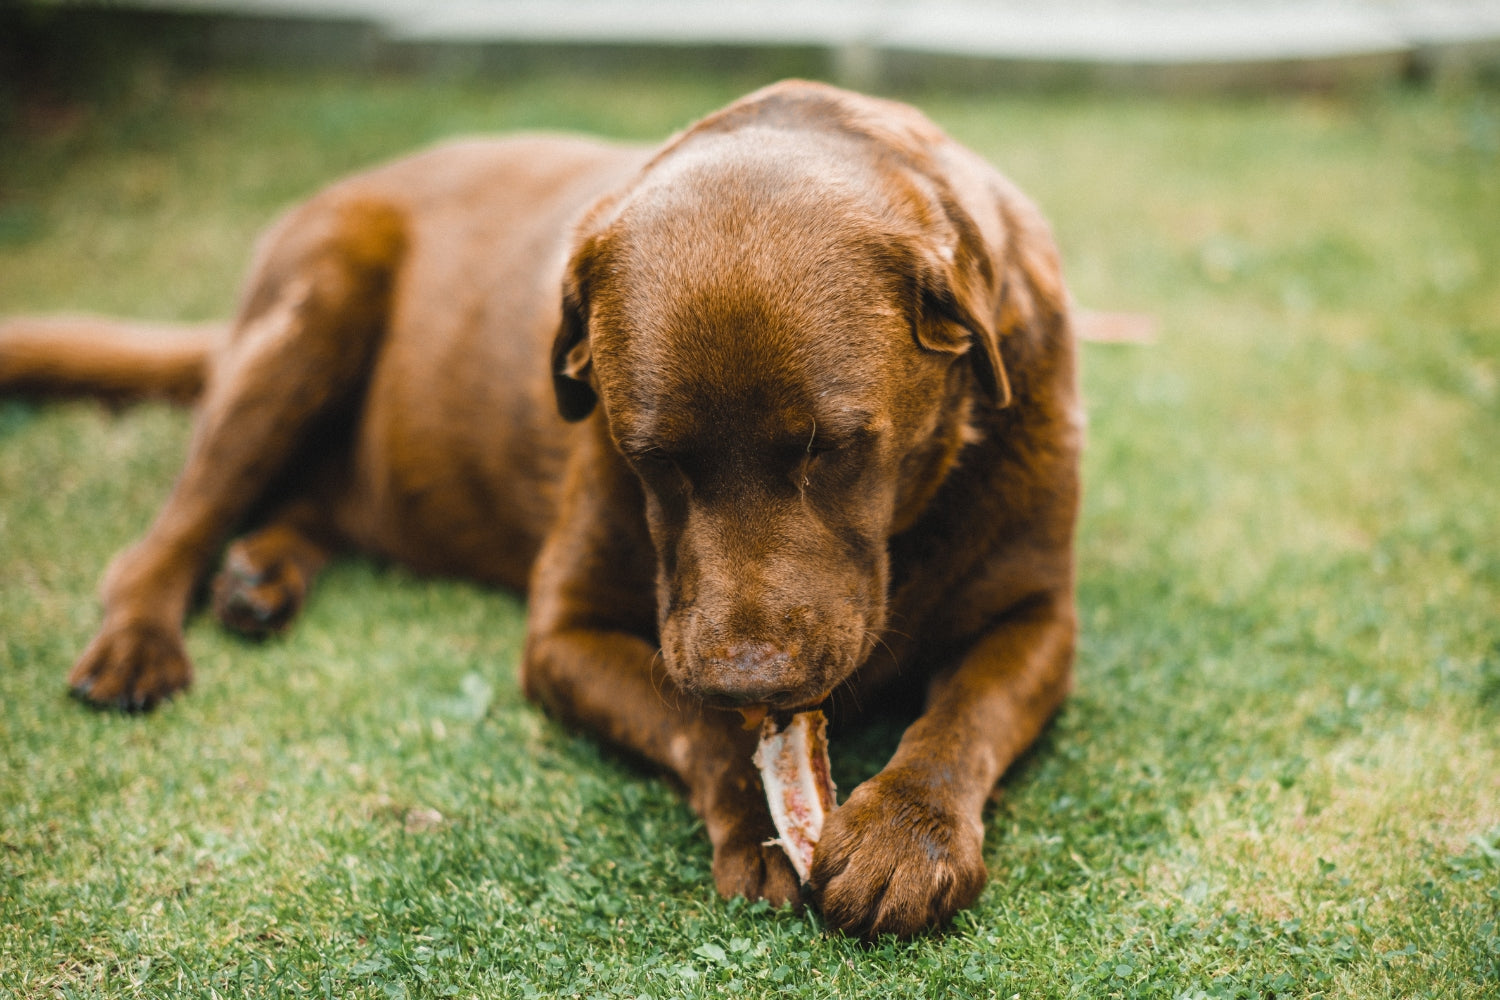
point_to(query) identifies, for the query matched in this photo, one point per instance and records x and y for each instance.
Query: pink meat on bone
(793, 765)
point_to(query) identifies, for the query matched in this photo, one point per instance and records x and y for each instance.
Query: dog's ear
(572, 358)
(969, 307)
(959, 312)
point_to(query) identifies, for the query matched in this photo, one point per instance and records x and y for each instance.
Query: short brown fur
(809, 426)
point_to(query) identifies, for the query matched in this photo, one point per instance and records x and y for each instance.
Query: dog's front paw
(747, 866)
(131, 667)
(895, 860)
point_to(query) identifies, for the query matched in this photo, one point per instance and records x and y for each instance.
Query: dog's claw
(130, 668)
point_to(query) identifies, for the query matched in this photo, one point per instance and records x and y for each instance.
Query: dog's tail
(104, 358)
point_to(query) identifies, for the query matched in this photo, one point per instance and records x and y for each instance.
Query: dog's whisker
(657, 678)
(879, 637)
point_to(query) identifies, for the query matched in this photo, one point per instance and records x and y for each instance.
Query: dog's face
(776, 350)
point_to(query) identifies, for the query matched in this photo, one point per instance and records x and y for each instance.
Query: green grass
(1280, 774)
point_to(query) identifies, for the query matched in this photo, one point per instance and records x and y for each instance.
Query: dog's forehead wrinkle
(717, 356)
(757, 420)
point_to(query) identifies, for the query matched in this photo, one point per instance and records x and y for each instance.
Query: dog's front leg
(905, 852)
(589, 662)
(604, 682)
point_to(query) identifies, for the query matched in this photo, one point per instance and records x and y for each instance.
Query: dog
(780, 414)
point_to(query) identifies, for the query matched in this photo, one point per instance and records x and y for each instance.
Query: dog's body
(810, 424)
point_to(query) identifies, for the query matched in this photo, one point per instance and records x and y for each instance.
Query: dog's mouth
(751, 716)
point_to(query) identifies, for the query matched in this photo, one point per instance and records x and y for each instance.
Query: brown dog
(818, 428)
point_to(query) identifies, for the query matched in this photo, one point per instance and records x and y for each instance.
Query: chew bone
(793, 763)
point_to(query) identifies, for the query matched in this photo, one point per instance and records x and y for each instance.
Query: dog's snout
(754, 672)
(756, 657)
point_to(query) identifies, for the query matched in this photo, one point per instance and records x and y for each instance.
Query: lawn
(1280, 772)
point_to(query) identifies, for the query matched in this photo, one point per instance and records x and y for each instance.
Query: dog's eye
(652, 458)
(816, 455)
(656, 467)
(823, 447)
(827, 448)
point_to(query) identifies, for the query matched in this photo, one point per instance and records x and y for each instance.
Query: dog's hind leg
(300, 350)
(266, 575)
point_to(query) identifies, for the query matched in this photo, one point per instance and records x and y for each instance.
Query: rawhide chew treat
(793, 763)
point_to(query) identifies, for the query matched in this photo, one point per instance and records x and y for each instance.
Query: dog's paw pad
(257, 600)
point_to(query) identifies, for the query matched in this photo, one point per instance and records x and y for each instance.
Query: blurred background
(867, 44)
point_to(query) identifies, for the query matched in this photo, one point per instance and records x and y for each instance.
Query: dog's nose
(745, 673)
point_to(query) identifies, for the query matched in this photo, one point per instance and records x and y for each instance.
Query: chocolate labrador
(780, 410)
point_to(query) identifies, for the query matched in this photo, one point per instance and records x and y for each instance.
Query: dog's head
(788, 323)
